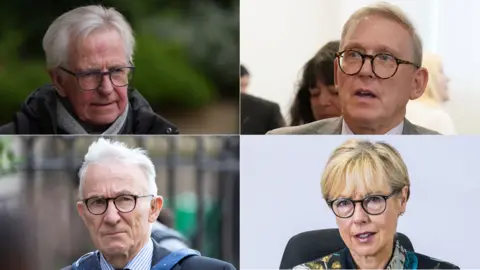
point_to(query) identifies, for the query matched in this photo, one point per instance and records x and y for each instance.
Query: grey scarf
(68, 123)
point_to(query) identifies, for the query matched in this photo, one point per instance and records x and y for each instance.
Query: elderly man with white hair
(118, 204)
(89, 55)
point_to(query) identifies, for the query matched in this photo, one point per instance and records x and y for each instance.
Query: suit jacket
(333, 126)
(190, 263)
(259, 115)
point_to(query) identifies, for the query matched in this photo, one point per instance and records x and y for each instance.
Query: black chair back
(311, 245)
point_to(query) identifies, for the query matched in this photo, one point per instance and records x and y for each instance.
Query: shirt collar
(398, 130)
(141, 261)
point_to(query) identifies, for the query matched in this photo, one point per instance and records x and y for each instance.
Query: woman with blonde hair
(367, 187)
(427, 111)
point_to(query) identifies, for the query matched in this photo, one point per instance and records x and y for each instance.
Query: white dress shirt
(142, 261)
(398, 130)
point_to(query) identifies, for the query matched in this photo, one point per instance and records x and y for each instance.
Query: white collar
(398, 130)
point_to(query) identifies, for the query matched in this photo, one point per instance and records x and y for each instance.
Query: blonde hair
(388, 11)
(363, 165)
(432, 95)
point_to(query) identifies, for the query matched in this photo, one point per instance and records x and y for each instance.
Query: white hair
(109, 150)
(77, 24)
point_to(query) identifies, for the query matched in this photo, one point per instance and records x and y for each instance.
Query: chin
(114, 248)
(365, 250)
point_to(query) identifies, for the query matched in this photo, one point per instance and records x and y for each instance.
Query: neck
(119, 261)
(93, 129)
(376, 261)
(374, 127)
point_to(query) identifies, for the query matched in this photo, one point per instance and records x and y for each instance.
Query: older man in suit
(377, 71)
(118, 204)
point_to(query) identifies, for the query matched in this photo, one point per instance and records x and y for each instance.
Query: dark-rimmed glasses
(372, 204)
(384, 65)
(92, 79)
(123, 203)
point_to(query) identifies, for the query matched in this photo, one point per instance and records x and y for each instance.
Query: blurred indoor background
(197, 176)
(275, 49)
(186, 59)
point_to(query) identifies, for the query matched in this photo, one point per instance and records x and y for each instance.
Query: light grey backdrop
(280, 194)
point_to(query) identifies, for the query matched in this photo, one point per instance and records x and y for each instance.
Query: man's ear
(81, 210)
(156, 205)
(58, 81)
(419, 82)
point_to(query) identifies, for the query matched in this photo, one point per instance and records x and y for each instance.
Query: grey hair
(108, 150)
(77, 24)
(388, 11)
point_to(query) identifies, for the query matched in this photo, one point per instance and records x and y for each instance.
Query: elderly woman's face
(102, 50)
(115, 233)
(366, 234)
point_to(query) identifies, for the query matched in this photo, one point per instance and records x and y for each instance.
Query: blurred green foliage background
(186, 57)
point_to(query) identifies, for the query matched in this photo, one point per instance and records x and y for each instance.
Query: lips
(364, 235)
(365, 93)
(102, 104)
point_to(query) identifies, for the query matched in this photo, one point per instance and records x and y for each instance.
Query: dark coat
(190, 263)
(259, 115)
(38, 116)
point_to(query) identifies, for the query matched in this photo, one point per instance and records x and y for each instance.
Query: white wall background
(280, 195)
(277, 37)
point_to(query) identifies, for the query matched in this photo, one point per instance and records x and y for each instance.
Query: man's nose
(367, 68)
(112, 215)
(106, 87)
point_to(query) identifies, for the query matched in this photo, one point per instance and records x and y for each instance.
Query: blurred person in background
(428, 111)
(377, 71)
(164, 233)
(16, 242)
(367, 187)
(257, 114)
(89, 55)
(118, 203)
(317, 98)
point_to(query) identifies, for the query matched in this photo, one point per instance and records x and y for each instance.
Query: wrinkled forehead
(378, 33)
(113, 178)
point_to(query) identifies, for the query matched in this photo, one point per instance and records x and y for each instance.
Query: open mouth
(365, 93)
(364, 237)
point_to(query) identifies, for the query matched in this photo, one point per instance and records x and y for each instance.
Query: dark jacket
(259, 115)
(190, 263)
(38, 116)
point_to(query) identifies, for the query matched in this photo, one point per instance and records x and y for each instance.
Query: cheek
(344, 229)
(122, 93)
(81, 99)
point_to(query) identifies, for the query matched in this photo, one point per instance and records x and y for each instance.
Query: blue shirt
(142, 261)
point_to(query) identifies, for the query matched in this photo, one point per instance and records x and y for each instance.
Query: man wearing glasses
(89, 55)
(118, 204)
(377, 71)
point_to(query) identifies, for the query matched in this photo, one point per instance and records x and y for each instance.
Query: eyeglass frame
(102, 74)
(136, 197)
(354, 202)
(398, 61)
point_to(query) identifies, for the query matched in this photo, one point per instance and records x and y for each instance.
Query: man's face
(115, 233)
(101, 50)
(373, 35)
